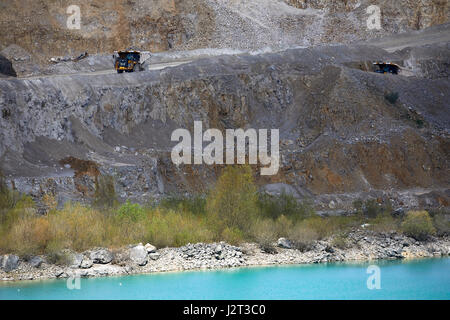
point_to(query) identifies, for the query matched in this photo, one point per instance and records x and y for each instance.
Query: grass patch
(384, 223)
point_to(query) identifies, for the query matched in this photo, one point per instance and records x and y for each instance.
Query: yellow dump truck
(128, 61)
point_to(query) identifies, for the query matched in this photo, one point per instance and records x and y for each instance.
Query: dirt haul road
(157, 66)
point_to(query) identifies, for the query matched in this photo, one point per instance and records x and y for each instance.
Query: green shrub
(170, 228)
(441, 222)
(282, 226)
(418, 225)
(22, 207)
(233, 201)
(371, 208)
(273, 207)
(340, 242)
(58, 256)
(131, 211)
(195, 204)
(343, 224)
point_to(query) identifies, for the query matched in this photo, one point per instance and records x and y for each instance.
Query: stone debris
(363, 245)
(36, 261)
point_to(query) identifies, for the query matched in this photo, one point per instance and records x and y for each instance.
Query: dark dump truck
(386, 67)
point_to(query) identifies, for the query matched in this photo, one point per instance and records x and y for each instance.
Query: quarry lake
(417, 279)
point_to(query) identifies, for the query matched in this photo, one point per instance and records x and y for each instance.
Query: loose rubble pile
(213, 255)
(360, 245)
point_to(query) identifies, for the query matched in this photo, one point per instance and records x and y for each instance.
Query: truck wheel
(119, 71)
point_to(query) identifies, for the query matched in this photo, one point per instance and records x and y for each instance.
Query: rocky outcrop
(9, 262)
(138, 254)
(36, 261)
(342, 136)
(407, 14)
(102, 256)
(360, 245)
(284, 243)
(76, 260)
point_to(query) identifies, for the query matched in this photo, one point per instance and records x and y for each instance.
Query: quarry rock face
(161, 25)
(345, 133)
(410, 14)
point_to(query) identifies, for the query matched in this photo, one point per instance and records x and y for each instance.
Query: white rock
(138, 254)
(9, 262)
(77, 259)
(284, 243)
(332, 204)
(150, 248)
(86, 264)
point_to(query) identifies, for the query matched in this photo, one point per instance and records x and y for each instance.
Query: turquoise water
(419, 279)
